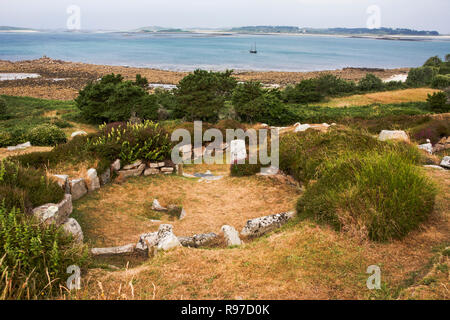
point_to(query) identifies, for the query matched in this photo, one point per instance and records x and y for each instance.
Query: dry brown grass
(302, 261)
(386, 97)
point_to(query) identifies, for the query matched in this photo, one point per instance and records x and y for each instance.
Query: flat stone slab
(259, 226)
(198, 240)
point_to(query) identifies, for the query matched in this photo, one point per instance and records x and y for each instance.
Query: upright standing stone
(93, 180)
(231, 236)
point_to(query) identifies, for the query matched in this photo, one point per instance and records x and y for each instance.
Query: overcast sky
(131, 14)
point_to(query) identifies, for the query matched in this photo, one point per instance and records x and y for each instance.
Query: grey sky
(130, 14)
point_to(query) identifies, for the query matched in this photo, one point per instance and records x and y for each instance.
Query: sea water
(189, 51)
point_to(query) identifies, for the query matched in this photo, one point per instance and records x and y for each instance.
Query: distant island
(355, 32)
(334, 31)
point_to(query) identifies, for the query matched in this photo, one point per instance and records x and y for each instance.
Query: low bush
(376, 195)
(34, 258)
(441, 81)
(302, 154)
(147, 141)
(46, 135)
(242, 170)
(3, 109)
(268, 108)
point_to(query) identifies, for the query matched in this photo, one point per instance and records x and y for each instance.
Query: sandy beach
(62, 80)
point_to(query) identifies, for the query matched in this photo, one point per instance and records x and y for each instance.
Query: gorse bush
(46, 135)
(113, 99)
(130, 142)
(376, 195)
(33, 258)
(26, 188)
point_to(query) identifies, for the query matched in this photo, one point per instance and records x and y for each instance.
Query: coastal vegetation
(334, 31)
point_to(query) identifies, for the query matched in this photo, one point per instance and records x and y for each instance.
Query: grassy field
(26, 113)
(300, 261)
(386, 97)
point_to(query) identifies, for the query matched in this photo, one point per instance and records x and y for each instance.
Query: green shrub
(268, 108)
(46, 135)
(74, 151)
(433, 62)
(33, 258)
(370, 83)
(201, 95)
(422, 76)
(3, 109)
(246, 92)
(447, 57)
(131, 142)
(242, 170)
(378, 195)
(438, 101)
(61, 123)
(112, 99)
(29, 187)
(303, 153)
(441, 81)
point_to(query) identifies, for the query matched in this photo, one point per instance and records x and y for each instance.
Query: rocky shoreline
(62, 80)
